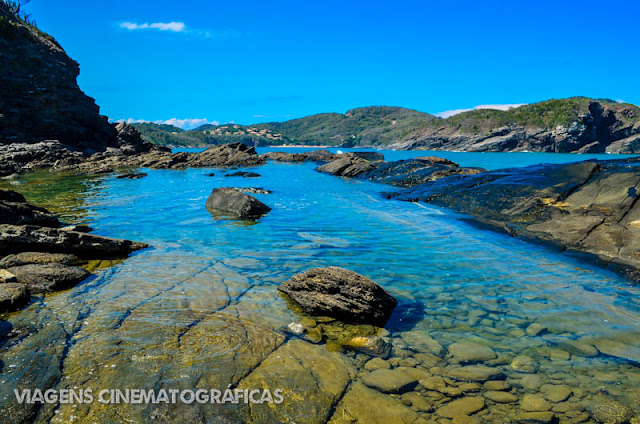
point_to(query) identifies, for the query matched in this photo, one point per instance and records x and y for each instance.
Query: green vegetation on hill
(545, 115)
(381, 125)
(370, 126)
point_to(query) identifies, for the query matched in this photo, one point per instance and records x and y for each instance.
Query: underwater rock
(475, 373)
(390, 381)
(362, 405)
(525, 364)
(534, 403)
(312, 380)
(244, 174)
(132, 175)
(605, 409)
(48, 277)
(13, 296)
(463, 406)
(342, 294)
(556, 392)
(371, 345)
(232, 201)
(469, 352)
(500, 397)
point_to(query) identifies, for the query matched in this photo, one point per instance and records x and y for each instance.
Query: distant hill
(576, 124)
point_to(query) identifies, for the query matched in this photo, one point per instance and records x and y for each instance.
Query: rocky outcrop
(26, 258)
(39, 96)
(606, 127)
(222, 156)
(319, 155)
(31, 238)
(342, 294)
(347, 166)
(232, 201)
(590, 207)
(40, 256)
(45, 119)
(403, 173)
(14, 209)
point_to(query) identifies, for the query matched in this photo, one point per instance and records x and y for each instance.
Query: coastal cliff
(45, 119)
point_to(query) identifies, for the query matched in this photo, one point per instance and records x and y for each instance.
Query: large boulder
(341, 294)
(232, 201)
(48, 277)
(13, 296)
(30, 238)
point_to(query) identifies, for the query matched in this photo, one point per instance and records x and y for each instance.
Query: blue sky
(257, 61)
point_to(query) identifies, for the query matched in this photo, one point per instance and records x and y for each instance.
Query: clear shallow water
(201, 309)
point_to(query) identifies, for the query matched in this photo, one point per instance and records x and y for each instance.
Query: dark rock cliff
(39, 97)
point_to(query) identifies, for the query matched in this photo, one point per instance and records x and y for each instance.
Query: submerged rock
(464, 406)
(371, 345)
(390, 381)
(342, 294)
(232, 201)
(605, 409)
(49, 277)
(132, 175)
(362, 405)
(244, 174)
(13, 296)
(471, 352)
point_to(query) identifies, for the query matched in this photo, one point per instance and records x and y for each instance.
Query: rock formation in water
(404, 173)
(232, 201)
(40, 255)
(342, 294)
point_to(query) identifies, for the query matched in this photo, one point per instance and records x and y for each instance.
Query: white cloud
(181, 27)
(449, 113)
(185, 124)
(161, 26)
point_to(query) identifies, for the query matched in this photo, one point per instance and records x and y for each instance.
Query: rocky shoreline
(40, 254)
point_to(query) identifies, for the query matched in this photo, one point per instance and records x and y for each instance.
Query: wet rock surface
(48, 277)
(232, 201)
(13, 296)
(30, 238)
(340, 294)
(14, 209)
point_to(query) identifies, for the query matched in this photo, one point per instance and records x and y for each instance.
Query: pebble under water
(489, 328)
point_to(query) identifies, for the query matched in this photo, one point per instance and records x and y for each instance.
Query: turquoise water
(201, 306)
